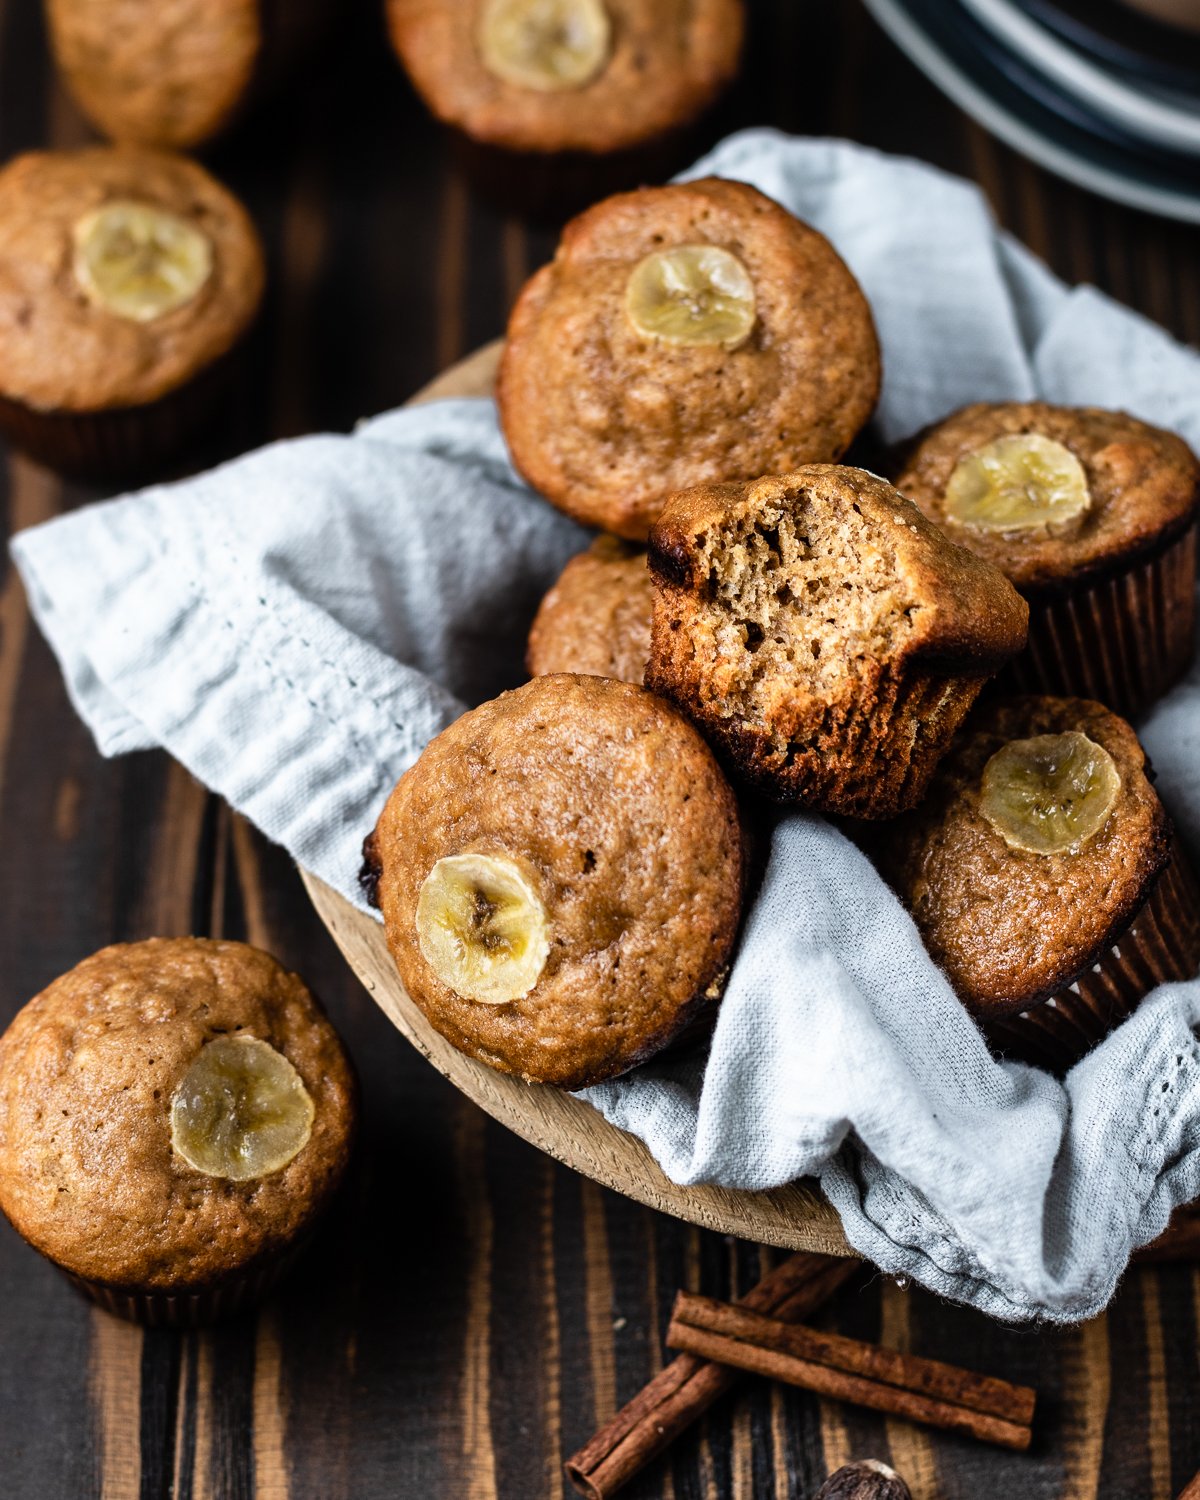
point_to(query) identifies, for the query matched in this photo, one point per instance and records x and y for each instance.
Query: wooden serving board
(794, 1217)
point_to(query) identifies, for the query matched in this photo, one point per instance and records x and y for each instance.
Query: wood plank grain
(913, 1451)
(1158, 1435)
(269, 1427)
(1085, 1355)
(114, 1378)
(478, 1474)
(598, 1284)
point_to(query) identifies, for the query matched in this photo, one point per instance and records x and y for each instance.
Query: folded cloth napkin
(294, 626)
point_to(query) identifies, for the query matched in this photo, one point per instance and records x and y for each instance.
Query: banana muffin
(560, 877)
(174, 73)
(174, 1116)
(1044, 877)
(823, 635)
(596, 618)
(1092, 515)
(683, 335)
(128, 278)
(590, 76)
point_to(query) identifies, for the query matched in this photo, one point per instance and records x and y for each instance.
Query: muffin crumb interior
(798, 598)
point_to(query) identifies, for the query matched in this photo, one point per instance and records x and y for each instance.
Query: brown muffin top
(59, 351)
(167, 74)
(1142, 484)
(606, 422)
(618, 818)
(795, 616)
(1009, 926)
(665, 61)
(596, 618)
(88, 1173)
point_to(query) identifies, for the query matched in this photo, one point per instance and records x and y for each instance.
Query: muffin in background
(1044, 876)
(584, 76)
(823, 635)
(175, 74)
(685, 335)
(175, 1115)
(561, 877)
(129, 280)
(1092, 515)
(596, 618)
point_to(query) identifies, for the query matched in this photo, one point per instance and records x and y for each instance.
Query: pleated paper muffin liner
(1161, 944)
(123, 443)
(128, 443)
(193, 1307)
(1123, 640)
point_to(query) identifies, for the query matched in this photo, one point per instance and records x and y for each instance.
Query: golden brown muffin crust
(87, 1071)
(596, 618)
(821, 631)
(616, 807)
(58, 351)
(607, 423)
(669, 59)
(167, 74)
(1009, 927)
(1143, 483)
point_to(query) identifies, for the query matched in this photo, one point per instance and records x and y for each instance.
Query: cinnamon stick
(920, 1390)
(1191, 1491)
(681, 1392)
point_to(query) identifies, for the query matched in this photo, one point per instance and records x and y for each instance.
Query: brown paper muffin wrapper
(126, 442)
(1123, 640)
(194, 1307)
(1161, 944)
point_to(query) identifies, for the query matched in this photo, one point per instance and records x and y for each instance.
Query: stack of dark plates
(1096, 91)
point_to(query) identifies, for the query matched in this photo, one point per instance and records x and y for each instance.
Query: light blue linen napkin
(294, 626)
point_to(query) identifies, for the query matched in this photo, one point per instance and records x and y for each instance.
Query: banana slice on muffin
(1044, 876)
(560, 877)
(539, 77)
(823, 634)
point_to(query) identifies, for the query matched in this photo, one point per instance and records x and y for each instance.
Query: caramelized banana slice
(138, 261)
(240, 1111)
(482, 928)
(1049, 794)
(693, 294)
(546, 45)
(1021, 483)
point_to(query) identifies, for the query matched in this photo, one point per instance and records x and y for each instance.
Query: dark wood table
(475, 1310)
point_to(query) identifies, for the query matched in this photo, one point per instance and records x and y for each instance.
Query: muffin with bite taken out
(823, 635)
